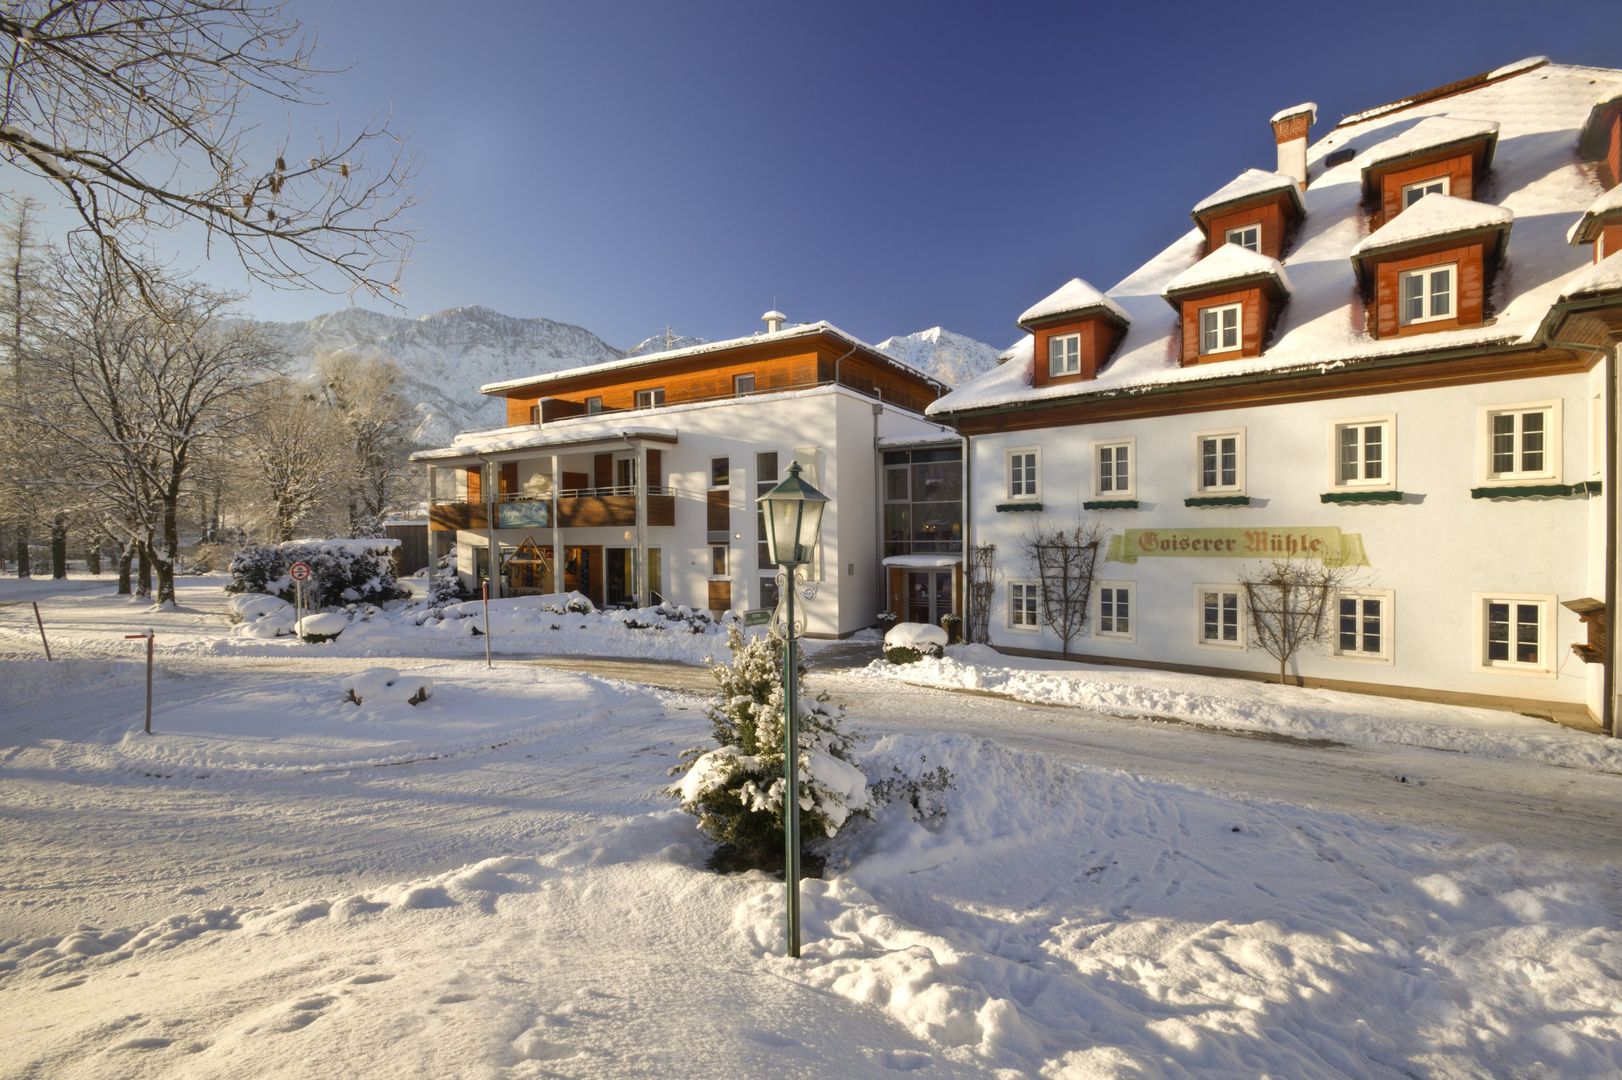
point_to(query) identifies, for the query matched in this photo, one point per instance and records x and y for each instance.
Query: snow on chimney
(1290, 127)
(774, 320)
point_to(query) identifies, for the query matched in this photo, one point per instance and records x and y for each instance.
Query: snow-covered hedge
(380, 684)
(343, 571)
(909, 642)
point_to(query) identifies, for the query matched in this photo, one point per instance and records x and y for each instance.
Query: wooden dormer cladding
(1601, 140)
(1075, 308)
(1458, 152)
(1230, 277)
(785, 363)
(1384, 312)
(1601, 225)
(1270, 201)
(1436, 233)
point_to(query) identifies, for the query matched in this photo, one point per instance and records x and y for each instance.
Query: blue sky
(888, 166)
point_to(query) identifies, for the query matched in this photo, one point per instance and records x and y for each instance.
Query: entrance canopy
(942, 561)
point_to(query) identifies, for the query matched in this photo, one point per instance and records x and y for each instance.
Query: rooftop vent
(774, 320)
(1340, 157)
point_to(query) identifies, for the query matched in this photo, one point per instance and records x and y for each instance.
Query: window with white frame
(1064, 354)
(594, 405)
(1219, 616)
(720, 472)
(1363, 622)
(1516, 632)
(1220, 461)
(1364, 453)
(1412, 193)
(1113, 612)
(1022, 468)
(1219, 328)
(1112, 468)
(743, 384)
(1427, 294)
(1022, 601)
(1247, 236)
(1523, 441)
(648, 399)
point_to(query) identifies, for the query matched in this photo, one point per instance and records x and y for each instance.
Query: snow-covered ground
(1267, 707)
(493, 883)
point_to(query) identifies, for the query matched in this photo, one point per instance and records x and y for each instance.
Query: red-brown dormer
(1228, 301)
(1440, 155)
(1075, 328)
(1256, 210)
(1601, 140)
(1601, 224)
(1429, 268)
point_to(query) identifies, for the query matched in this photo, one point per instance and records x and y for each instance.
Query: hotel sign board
(1325, 544)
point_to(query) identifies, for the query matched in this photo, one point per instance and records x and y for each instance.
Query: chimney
(774, 320)
(1290, 127)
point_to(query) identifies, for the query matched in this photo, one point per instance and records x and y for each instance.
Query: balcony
(449, 516)
(575, 508)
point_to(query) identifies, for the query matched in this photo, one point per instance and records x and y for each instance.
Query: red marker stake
(148, 636)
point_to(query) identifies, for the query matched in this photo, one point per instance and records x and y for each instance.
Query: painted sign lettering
(1327, 545)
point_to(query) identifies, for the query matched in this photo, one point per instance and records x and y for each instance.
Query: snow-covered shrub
(886, 619)
(907, 643)
(922, 789)
(322, 626)
(736, 788)
(380, 684)
(953, 625)
(342, 571)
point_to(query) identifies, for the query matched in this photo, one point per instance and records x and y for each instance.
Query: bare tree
(296, 456)
(21, 477)
(1064, 561)
(143, 382)
(364, 393)
(981, 587)
(1288, 602)
(136, 112)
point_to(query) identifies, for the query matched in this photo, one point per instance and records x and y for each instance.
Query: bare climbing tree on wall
(1065, 560)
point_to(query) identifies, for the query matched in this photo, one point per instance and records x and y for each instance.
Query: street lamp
(793, 512)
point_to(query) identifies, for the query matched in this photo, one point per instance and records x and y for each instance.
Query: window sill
(1536, 491)
(1110, 504)
(1360, 497)
(1218, 500)
(1018, 507)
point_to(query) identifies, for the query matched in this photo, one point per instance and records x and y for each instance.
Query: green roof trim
(1110, 504)
(1360, 497)
(1018, 507)
(1529, 491)
(1218, 500)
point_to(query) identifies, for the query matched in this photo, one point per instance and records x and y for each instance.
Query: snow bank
(913, 635)
(1252, 706)
(380, 684)
(323, 624)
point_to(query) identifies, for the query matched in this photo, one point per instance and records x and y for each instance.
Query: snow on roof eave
(1241, 192)
(787, 334)
(1604, 209)
(1464, 85)
(1228, 265)
(1074, 297)
(529, 437)
(1296, 110)
(1593, 281)
(1592, 139)
(1365, 253)
(1374, 162)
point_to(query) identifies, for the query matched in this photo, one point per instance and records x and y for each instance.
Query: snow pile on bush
(909, 642)
(736, 789)
(343, 571)
(381, 684)
(322, 626)
(261, 617)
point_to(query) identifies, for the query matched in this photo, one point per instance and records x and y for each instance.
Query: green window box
(1360, 497)
(1218, 500)
(1110, 504)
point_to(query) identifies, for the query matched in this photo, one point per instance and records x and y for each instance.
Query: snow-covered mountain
(445, 357)
(951, 358)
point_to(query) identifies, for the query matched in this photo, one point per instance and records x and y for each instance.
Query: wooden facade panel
(594, 511)
(1254, 315)
(898, 591)
(1609, 241)
(874, 377)
(1099, 337)
(1457, 165)
(445, 517)
(720, 598)
(1269, 215)
(1470, 290)
(507, 479)
(661, 510)
(656, 468)
(718, 510)
(602, 470)
(475, 483)
(1613, 151)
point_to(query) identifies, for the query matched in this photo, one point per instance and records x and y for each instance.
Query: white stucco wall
(1435, 551)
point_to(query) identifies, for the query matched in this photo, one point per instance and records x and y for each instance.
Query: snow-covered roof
(1228, 263)
(530, 437)
(786, 334)
(1536, 176)
(1431, 134)
(1587, 228)
(1249, 184)
(1434, 217)
(1073, 298)
(1603, 277)
(1296, 110)
(923, 562)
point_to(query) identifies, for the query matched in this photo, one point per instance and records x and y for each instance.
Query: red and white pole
(149, 637)
(484, 590)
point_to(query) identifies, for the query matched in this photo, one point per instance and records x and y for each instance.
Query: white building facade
(1396, 364)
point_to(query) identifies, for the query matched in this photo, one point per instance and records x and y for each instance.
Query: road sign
(757, 617)
(300, 571)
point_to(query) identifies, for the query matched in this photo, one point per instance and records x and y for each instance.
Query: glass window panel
(937, 482)
(1441, 293)
(1413, 299)
(720, 471)
(896, 488)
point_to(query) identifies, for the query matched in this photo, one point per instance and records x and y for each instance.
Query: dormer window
(1248, 237)
(1412, 193)
(1219, 328)
(1427, 294)
(1064, 355)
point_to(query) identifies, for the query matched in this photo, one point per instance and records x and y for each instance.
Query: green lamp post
(793, 511)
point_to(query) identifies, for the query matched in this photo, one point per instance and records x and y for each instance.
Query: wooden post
(149, 638)
(484, 589)
(41, 624)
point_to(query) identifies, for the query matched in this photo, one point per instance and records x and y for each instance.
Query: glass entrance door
(929, 596)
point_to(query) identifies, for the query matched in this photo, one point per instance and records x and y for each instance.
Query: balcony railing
(578, 508)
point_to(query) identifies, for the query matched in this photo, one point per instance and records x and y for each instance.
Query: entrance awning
(924, 562)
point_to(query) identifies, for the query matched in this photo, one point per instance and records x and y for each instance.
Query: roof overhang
(1272, 282)
(1494, 236)
(1481, 147)
(499, 448)
(1594, 140)
(1290, 197)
